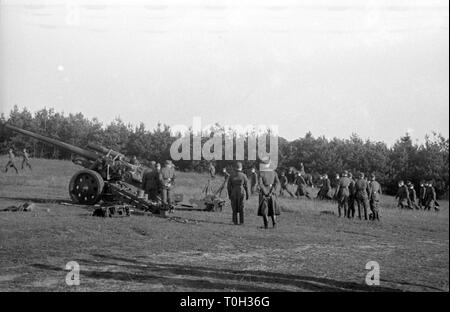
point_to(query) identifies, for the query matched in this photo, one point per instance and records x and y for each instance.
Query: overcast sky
(376, 68)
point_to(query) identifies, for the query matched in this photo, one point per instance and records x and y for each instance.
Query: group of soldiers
(158, 182)
(12, 160)
(408, 199)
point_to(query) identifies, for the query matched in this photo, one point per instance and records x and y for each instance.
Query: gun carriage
(108, 176)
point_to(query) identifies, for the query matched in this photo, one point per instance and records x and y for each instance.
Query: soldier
(150, 181)
(302, 168)
(237, 187)
(430, 197)
(412, 195)
(268, 183)
(11, 159)
(253, 181)
(284, 185)
(362, 192)
(374, 197)
(291, 175)
(422, 191)
(134, 161)
(402, 195)
(226, 176)
(351, 197)
(342, 193)
(301, 186)
(166, 179)
(25, 159)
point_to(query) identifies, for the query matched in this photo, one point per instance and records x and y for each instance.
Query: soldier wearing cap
(150, 181)
(11, 161)
(253, 181)
(166, 179)
(301, 186)
(237, 187)
(422, 191)
(268, 183)
(342, 193)
(284, 185)
(362, 192)
(412, 195)
(402, 195)
(430, 197)
(351, 197)
(374, 197)
(224, 185)
(25, 159)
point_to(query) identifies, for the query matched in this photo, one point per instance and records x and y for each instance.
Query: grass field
(311, 250)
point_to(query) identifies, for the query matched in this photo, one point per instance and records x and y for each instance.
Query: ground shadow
(207, 278)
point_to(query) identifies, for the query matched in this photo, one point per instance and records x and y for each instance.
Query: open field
(203, 251)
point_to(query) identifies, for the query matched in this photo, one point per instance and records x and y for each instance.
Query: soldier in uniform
(412, 195)
(224, 185)
(25, 159)
(11, 163)
(402, 195)
(342, 192)
(302, 168)
(362, 192)
(430, 197)
(291, 176)
(301, 186)
(351, 197)
(374, 197)
(237, 187)
(284, 185)
(253, 181)
(166, 179)
(422, 191)
(134, 161)
(150, 181)
(268, 183)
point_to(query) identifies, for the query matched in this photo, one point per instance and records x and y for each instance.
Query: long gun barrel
(68, 147)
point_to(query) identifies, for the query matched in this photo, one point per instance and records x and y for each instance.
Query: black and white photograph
(229, 147)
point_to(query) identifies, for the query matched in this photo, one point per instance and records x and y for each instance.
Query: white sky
(376, 68)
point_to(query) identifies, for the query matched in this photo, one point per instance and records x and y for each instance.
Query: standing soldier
(166, 179)
(412, 195)
(150, 181)
(430, 197)
(237, 187)
(26, 159)
(284, 185)
(351, 197)
(402, 195)
(301, 186)
(291, 175)
(10, 163)
(302, 168)
(342, 192)
(374, 197)
(422, 192)
(253, 181)
(268, 183)
(224, 185)
(362, 192)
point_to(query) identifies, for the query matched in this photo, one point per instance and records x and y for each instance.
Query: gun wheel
(86, 187)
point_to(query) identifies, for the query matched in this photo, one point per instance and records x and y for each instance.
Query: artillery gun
(109, 176)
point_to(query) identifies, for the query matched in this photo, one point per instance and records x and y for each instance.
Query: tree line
(405, 160)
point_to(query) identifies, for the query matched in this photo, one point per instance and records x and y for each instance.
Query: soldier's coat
(268, 183)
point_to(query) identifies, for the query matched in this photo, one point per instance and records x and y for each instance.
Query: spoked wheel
(86, 187)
